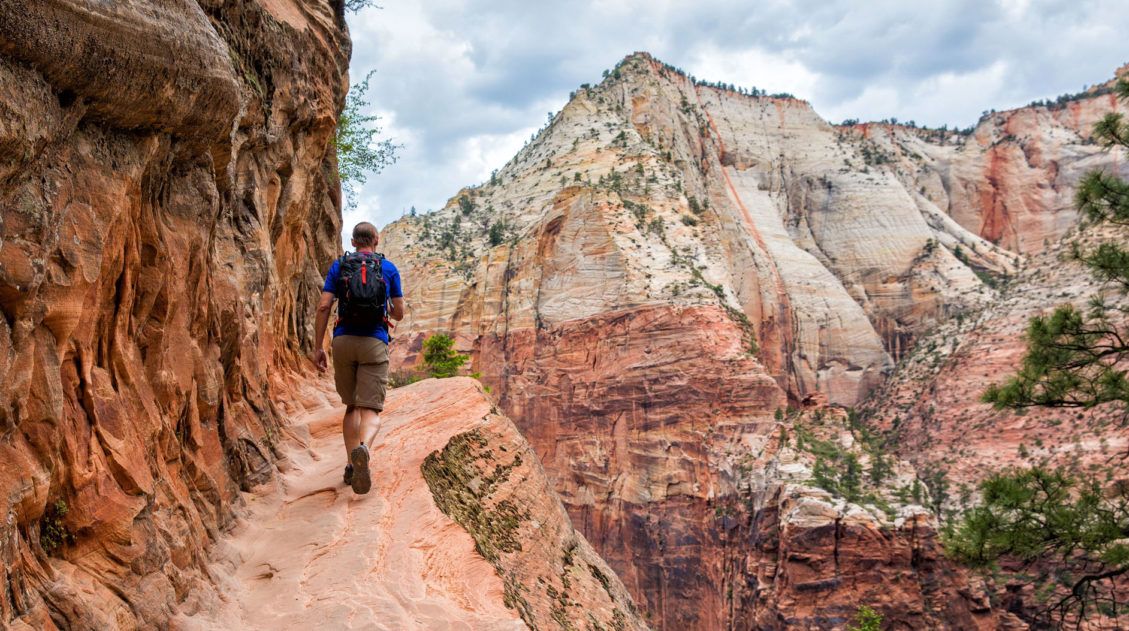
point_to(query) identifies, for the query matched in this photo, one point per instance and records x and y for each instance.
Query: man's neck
(367, 250)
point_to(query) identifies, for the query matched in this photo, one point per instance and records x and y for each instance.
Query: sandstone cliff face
(461, 530)
(931, 410)
(165, 197)
(1011, 181)
(651, 278)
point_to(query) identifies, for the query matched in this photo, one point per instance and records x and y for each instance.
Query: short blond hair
(364, 235)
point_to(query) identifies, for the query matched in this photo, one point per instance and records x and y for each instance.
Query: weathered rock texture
(666, 264)
(489, 480)
(312, 554)
(165, 198)
(931, 411)
(833, 521)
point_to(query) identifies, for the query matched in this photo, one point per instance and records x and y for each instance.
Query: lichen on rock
(489, 481)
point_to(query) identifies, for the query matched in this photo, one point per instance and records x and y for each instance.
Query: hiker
(368, 287)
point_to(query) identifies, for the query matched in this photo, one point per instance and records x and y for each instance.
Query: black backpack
(361, 290)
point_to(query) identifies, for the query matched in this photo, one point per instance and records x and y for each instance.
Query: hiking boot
(361, 481)
(348, 477)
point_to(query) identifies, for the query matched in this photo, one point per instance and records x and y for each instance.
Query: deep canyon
(676, 293)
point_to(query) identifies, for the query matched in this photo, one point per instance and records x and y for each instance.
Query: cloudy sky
(463, 84)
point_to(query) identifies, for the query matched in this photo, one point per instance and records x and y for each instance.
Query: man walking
(368, 288)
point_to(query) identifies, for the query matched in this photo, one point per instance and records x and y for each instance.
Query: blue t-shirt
(391, 281)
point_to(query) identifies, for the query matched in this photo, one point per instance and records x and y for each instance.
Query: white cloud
(752, 68)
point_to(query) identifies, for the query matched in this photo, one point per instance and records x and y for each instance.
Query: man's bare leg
(351, 429)
(368, 422)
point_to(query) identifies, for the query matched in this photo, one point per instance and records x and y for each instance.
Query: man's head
(365, 235)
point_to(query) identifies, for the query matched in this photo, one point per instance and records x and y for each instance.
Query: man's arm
(397, 311)
(320, 323)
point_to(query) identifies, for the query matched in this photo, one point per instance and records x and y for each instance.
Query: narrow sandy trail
(309, 553)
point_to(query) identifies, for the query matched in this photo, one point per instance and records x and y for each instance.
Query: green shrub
(53, 533)
(359, 151)
(402, 378)
(497, 234)
(440, 357)
(866, 619)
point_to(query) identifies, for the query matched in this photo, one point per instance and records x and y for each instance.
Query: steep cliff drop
(166, 198)
(461, 530)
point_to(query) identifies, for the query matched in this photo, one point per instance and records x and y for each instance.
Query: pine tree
(440, 357)
(1070, 532)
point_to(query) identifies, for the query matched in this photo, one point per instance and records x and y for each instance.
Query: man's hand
(320, 360)
(397, 310)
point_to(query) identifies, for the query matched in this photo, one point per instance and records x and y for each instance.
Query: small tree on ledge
(440, 357)
(1078, 358)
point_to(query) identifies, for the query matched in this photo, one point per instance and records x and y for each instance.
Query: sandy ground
(309, 553)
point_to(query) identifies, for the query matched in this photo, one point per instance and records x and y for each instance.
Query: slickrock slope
(165, 197)
(311, 554)
(656, 273)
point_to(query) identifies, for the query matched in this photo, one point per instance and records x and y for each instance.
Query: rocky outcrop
(166, 196)
(664, 266)
(931, 410)
(489, 480)
(460, 530)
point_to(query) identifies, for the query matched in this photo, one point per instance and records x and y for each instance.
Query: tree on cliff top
(1068, 533)
(357, 5)
(359, 153)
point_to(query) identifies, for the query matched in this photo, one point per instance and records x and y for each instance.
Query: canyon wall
(931, 405)
(166, 198)
(930, 408)
(666, 264)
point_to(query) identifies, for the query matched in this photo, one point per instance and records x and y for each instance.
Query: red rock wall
(931, 404)
(165, 203)
(1011, 180)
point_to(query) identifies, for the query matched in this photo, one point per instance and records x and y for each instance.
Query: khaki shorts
(360, 368)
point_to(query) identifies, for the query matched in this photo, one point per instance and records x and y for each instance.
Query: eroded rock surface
(165, 201)
(1011, 181)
